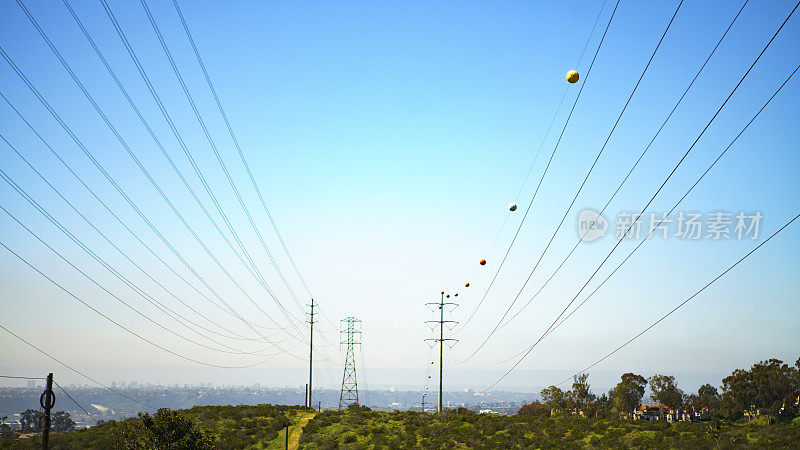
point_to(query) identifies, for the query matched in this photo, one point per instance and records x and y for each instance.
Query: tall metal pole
(441, 340)
(311, 355)
(441, 350)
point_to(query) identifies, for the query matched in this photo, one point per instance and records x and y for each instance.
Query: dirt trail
(297, 431)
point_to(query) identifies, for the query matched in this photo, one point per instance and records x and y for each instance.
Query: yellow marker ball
(466, 284)
(572, 76)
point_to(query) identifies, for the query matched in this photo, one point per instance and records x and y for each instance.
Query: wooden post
(47, 401)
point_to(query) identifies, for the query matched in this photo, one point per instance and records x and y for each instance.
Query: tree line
(770, 388)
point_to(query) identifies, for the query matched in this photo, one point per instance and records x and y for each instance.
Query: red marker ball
(483, 262)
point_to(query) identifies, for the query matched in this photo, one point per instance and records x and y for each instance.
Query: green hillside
(263, 427)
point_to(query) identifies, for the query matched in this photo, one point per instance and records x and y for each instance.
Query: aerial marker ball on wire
(466, 284)
(572, 76)
(483, 262)
(512, 206)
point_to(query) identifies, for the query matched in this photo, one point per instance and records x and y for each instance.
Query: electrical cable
(132, 155)
(223, 167)
(160, 306)
(635, 164)
(229, 310)
(541, 179)
(239, 149)
(124, 254)
(121, 394)
(656, 193)
(147, 126)
(583, 183)
(544, 139)
(675, 206)
(687, 300)
(76, 403)
(149, 319)
(149, 341)
(132, 204)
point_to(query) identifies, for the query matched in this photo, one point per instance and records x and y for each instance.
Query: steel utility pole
(441, 304)
(349, 393)
(423, 402)
(310, 355)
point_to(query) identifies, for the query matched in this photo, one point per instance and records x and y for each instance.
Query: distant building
(649, 413)
(487, 411)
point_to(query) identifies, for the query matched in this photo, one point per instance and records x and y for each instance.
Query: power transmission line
(708, 169)
(635, 164)
(21, 378)
(125, 255)
(672, 172)
(686, 194)
(583, 183)
(131, 154)
(160, 306)
(239, 149)
(541, 179)
(202, 280)
(544, 138)
(250, 268)
(121, 394)
(221, 162)
(133, 206)
(149, 341)
(76, 403)
(687, 300)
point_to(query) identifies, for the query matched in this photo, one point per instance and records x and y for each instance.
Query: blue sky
(388, 138)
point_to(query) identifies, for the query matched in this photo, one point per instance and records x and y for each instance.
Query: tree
(582, 392)
(665, 391)
(765, 387)
(627, 394)
(62, 422)
(555, 398)
(535, 409)
(708, 397)
(31, 421)
(5, 429)
(169, 429)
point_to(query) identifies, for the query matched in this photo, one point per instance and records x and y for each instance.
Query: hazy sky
(388, 139)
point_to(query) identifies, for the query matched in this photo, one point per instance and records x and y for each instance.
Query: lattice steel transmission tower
(352, 337)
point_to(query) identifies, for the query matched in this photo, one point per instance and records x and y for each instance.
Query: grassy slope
(469, 430)
(263, 427)
(251, 427)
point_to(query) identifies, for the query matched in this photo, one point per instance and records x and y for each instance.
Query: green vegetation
(201, 427)
(362, 428)
(261, 427)
(756, 408)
